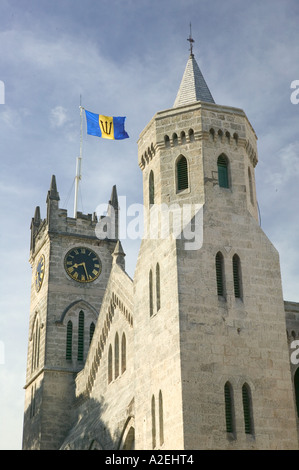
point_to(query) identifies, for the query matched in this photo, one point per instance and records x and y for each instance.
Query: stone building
(190, 354)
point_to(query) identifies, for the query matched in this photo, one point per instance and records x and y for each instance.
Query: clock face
(39, 273)
(82, 264)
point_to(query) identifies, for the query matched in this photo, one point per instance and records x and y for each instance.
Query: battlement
(58, 222)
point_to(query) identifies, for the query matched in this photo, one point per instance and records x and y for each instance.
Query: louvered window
(123, 354)
(229, 413)
(182, 174)
(237, 276)
(69, 340)
(116, 356)
(151, 301)
(222, 165)
(220, 274)
(161, 419)
(158, 287)
(247, 409)
(110, 364)
(151, 188)
(91, 331)
(81, 336)
(153, 423)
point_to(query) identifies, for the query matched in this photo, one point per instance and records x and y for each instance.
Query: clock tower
(70, 270)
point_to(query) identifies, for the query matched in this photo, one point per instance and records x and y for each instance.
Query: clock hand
(85, 270)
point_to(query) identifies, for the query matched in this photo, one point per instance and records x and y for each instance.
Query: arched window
(183, 137)
(237, 277)
(35, 346)
(220, 274)
(153, 423)
(247, 409)
(123, 353)
(182, 173)
(81, 336)
(110, 364)
(151, 303)
(69, 341)
(250, 185)
(161, 422)
(229, 408)
(175, 139)
(91, 331)
(191, 135)
(151, 188)
(222, 165)
(116, 356)
(158, 299)
(167, 141)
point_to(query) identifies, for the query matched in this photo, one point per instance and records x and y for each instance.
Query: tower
(70, 270)
(211, 357)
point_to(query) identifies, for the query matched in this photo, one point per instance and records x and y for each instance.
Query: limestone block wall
(235, 340)
(104, 404)
(156, 349)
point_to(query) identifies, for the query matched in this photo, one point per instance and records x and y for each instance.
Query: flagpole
(78, 163)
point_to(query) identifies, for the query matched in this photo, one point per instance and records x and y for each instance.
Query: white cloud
(58, 116)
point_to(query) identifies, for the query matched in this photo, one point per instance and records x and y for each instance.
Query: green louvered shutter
(247, 409)
(222, 172)
(236, 276)
(182, 174)
(81, 336)
(228, 408)
(219, 274)
(69, 340)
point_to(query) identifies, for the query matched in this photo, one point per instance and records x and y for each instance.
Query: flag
(107, 127)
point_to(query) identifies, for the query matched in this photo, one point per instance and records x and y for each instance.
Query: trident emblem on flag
(107, 128)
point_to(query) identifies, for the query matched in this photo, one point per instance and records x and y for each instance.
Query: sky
(127, 58)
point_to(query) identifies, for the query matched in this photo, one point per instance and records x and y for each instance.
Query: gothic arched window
(250, 186)
(182, 173)
(161, 419)
(153, 409)
(91, 331)
(69, 340)
(237, 277)
(220, 274)
(222, 165)
(151, 188)
(110, 364)
(116, 356)
(229, 408)
(81, 336)
(247, 409)
(123, 353)
(158, 298)
(35, 345)
(151, 301)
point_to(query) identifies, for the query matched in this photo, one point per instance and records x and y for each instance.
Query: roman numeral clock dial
(82, 264)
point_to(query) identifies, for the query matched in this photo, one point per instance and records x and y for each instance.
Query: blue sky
(128, 58)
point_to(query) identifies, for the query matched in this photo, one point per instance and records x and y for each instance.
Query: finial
(191, 40)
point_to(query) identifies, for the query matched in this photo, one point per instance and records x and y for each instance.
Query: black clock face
(39, 273)
(82, 264)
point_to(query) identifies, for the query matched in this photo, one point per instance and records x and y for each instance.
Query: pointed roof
(193, 86)
(53, 193)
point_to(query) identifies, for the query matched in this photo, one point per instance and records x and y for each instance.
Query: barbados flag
(107, 127)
